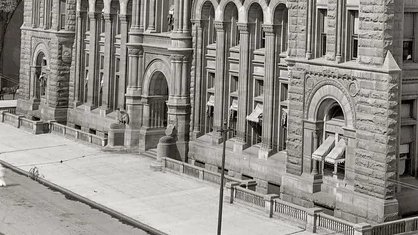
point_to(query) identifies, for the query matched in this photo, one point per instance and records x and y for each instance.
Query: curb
(123, 218)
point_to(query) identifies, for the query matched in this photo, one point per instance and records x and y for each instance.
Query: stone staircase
(151, 153)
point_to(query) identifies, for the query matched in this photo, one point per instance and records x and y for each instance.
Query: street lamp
(223, 131)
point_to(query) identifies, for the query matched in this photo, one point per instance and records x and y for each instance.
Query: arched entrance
(157, 101)
(40, 72)
(331, 145)
(155, 116)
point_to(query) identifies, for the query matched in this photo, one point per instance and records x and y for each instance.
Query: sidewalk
(172, 203)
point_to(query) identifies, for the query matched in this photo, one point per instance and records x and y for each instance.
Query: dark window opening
(199, 164)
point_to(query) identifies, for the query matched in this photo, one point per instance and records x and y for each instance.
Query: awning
(337, 153)
(256, 114)
(324, 149)
(211, 101)
(234, 105)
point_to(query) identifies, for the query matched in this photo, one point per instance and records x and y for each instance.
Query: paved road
(27, 207)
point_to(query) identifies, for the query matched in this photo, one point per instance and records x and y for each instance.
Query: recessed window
(353, 21)
(408, 37)
(62, 14)
(322, 32)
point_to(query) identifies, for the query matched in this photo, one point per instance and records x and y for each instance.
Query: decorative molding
(219, 25)
(243, 27)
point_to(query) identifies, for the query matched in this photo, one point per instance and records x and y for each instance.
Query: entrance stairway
(151, 153)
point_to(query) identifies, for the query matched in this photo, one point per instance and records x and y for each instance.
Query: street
(27, 207)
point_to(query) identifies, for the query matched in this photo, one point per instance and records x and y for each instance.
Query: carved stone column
(269, 94)
(93, 51)
(108, 59)
(133, 99)
(79, 75)
(198, 102)
(151, 23)
(123, 61)
(243, 84)
(219, 83)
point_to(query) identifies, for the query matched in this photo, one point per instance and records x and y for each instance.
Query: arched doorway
(157, 101)
(40, 78)
(332, 144)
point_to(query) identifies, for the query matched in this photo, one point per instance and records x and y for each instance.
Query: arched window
(255, 22)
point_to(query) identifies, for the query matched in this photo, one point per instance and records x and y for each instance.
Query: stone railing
(331, 223)
(290, 210)
(249, 197)
(18, 121)
(76, 134)
(395, 227)
(201, 173)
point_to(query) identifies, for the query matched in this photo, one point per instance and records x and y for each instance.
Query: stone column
(243, 84)
(123, 60)
(198, 100)
(79, 72)
(186, 15)
(219, 82)
(94, 38)
(310, 35)
(151, 9)
(133, 98)
(108, 59)
(269, 87)
(339, 28)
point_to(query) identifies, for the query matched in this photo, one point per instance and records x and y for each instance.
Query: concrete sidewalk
(172, 203)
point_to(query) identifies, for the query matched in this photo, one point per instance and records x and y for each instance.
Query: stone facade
(319, 96)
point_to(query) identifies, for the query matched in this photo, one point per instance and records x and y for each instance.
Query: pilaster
(93, 51)
(269, 94)
(198, 102)
(108, 55)
(219, 82)
(243, 86)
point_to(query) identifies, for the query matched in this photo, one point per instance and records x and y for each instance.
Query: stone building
(319, 96)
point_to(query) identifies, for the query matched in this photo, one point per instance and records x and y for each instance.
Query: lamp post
(223, 131)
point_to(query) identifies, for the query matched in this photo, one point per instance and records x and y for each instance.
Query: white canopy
(256, 114)
(324, 149)
(337, 153)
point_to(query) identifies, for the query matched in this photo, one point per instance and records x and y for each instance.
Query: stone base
(157, 165)
(239, 146)
(131, 137)
(148, 138)
(300, 189)
(264, 153)
(357, 208)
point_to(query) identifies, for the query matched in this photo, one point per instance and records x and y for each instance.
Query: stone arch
(219, 13)
(262, 3)
(272, 9)
(328, 91)
(155, 66)
(198, 5)
(40, 48)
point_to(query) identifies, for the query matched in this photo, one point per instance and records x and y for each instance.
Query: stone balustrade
(76, 134)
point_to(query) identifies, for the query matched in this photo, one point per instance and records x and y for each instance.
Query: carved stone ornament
(171, 130)
(66, 53)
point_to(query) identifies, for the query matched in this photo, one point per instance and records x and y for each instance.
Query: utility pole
(223, 131)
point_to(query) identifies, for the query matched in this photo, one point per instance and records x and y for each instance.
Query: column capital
(219, 25)
(197, 23)
(93, 15)
(134, 51)
(177, 58)
(123, 18)
(107, 17)
(242, 27)
(268, 29)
